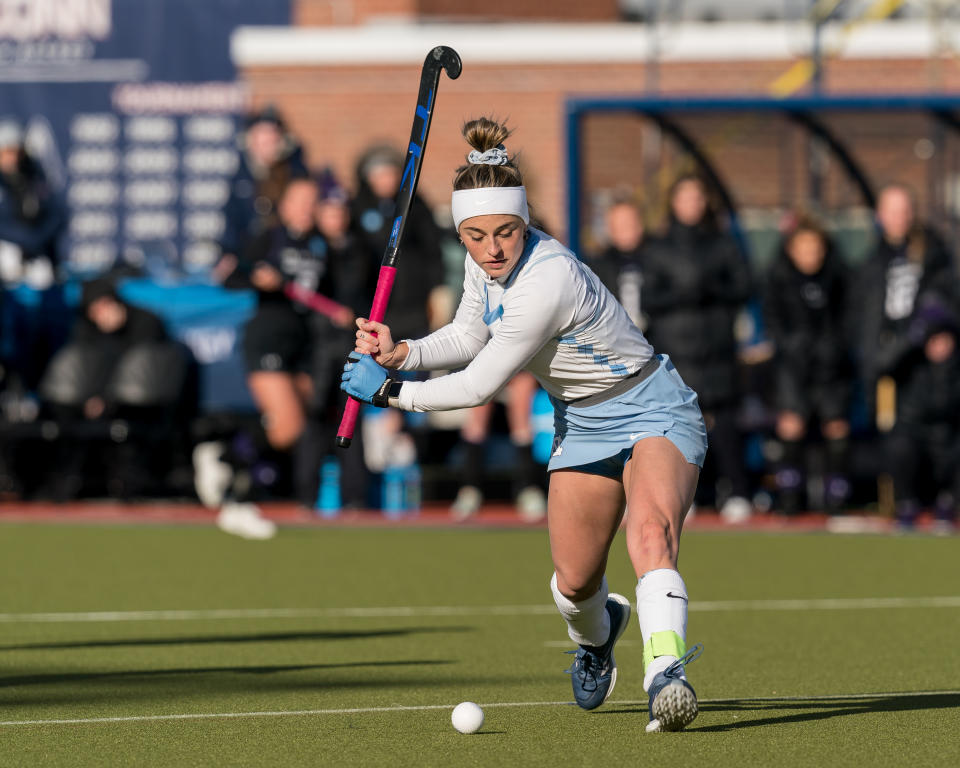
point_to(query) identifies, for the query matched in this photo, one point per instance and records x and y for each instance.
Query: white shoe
(467, 504)
(531, 504)
(211, 475)
(942, 528)
(736, 509)
(245, 520)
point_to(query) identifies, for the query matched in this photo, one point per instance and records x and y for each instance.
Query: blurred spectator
(270, 157)
(418, 294)
(805, 305)
(378, 180)
(923, 448)
(694, 283)
(907, 260)
(349, 265)
(285, 356)
(32, 220)
(620, 265)
(32, 216)
(120, 380)
(530, 500)
(349, 257)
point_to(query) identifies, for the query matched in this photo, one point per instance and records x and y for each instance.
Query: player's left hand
(266, 278)
(363, 378)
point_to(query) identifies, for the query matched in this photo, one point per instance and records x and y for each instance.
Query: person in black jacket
(804, 307)
(270, 157)
(619, 265)
(694, 283)
(907, 260)
(411, 312)
(284, 343)
(112, 327)
(923, 448)
(350, 266)
(379, 172)
(109, 370)
(33, 218)
(349, 256)
(32, 215)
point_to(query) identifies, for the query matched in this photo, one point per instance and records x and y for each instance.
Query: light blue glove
(363, 379)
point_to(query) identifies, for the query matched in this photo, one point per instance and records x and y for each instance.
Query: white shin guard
(662, 613)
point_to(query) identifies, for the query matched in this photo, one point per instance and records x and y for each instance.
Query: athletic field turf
(179, 645)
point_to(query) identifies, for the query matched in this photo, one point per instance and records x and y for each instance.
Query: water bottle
(412, 489)
(393, 502)
(328, 495)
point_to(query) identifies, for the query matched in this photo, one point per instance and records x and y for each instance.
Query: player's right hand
(374, 339)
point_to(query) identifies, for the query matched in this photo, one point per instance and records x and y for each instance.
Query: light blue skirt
(599, 438)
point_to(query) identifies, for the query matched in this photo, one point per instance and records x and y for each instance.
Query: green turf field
(383, 631)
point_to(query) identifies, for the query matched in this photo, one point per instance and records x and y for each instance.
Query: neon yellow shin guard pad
(667, 643)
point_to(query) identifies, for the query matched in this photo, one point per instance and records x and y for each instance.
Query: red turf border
(433, 516)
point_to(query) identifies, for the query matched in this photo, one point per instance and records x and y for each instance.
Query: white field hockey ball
(467, 717)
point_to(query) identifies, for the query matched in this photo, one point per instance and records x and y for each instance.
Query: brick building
(347, 76)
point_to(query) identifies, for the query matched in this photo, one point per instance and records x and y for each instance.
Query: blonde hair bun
(484, 134)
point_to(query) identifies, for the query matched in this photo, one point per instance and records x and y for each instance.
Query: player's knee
(578, 585)
(283, 433)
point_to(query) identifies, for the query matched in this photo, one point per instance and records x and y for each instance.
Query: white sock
(588, 622)
(662, 612)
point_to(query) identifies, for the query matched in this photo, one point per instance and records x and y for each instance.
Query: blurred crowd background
(771, 188)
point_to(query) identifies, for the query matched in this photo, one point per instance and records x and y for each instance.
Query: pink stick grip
(382, 296)
(377, 312)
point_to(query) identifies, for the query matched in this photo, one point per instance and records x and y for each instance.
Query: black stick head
(449, 59)
(344, 442)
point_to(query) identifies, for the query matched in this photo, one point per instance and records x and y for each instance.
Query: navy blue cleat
(673, 702)
(594, 671)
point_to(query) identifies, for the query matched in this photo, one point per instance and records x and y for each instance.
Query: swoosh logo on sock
(678, 597)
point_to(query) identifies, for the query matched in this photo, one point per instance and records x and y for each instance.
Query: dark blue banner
(131, 108)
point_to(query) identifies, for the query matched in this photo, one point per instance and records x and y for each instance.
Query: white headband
(467, 203)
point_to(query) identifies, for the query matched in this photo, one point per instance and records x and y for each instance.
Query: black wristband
(389, 389)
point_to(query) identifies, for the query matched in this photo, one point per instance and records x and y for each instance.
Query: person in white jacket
(628, 430)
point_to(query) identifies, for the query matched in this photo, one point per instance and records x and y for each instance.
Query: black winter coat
(350, 265)
(694, 282)
(928, 396)
(806, 320)
(420, 262)
(141, 327)
(888, 284)
(32, 216)
(622, 274)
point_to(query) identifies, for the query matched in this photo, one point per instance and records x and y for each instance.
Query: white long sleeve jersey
(551, 316)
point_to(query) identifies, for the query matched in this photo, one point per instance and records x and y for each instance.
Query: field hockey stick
(439, 58)
(316, 301)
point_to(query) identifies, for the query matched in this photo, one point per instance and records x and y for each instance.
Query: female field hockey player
(627, 428)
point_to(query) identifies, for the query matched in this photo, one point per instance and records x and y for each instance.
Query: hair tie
(496, 156)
